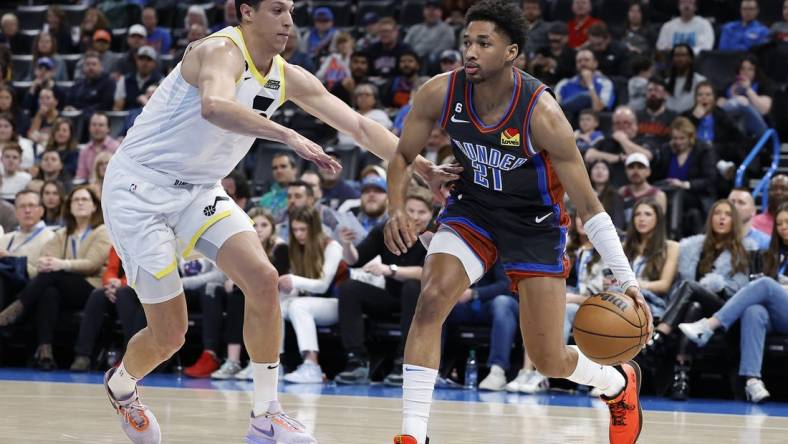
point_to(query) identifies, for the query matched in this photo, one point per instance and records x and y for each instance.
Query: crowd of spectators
(663, 136)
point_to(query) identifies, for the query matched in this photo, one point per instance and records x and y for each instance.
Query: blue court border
(552, 398)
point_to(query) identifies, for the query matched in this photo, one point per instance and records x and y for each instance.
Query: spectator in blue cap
(321, 34)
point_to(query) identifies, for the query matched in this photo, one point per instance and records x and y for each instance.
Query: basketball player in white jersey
(162, 198)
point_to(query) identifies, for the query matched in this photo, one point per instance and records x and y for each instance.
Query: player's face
(271, 21)
(419, 212)
(82, 205)
(300, 231)
(263, 228)
(782, 225)
(744, 204)
(645, 219)
(487, 51)
(722, 219)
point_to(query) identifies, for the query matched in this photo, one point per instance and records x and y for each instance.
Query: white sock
(266, 379)
(417, 385)
(603, 377)
(122, 383)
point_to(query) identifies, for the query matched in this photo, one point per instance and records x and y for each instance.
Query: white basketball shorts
(153, 218)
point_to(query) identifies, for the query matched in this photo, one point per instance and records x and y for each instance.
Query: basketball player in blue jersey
(162, 198)
(519, 155)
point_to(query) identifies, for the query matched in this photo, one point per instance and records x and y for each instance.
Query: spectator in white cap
(130, 90)
(638, 170)
(135, 39)
(431, 37)
(451, 59)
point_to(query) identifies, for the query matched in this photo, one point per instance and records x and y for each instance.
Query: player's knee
(432, 307)
(261, 283)
(170, 342)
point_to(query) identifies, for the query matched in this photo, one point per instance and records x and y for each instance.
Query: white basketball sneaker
(277, 428)
(136, 419)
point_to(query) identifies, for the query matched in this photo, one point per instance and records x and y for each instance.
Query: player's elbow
(210, 108)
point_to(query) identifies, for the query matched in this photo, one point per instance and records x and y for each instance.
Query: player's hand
(438, 175)
(399, 233)
(312, 152)
(634, 293)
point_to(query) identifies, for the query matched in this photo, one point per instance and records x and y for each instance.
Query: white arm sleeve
(603, 236)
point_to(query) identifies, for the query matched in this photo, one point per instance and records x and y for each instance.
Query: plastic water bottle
(471, 371)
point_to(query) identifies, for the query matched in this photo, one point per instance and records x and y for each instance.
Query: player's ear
(512, 52)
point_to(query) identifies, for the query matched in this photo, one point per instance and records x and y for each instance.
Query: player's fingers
(390, 233)
(401, 237)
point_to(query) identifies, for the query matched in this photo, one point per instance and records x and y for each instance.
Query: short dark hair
(590, 112)
(253, 3)
(507, 17)
(300, 183)
(284, 154)
(12, 146)
(242, 189)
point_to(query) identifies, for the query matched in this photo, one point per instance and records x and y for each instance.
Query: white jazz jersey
(172, 137)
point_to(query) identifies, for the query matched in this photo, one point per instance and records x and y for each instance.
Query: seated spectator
(746, 33)
(98, 171)
(43, 79)
(637, 85)
(713, 267)
(624, 141)
(300, 195)
(315, 182)
(385, 53)
(127, 62)
(93, 20)
(366, 100)
(432, 36)
(373, 203)
(438, 147)
(778, 193)
(9, 104)
(336, 65)
(588, 135)
(335, 189)
(745, 206)
(655, 119)
(237, 187)
(130, 91)
(24, 244)
(612, 55)
(52, 196)
(638, 170)
(580, 23)
(556, 60)
(277, 252)
(230, 17)
(64, 142)
(308, 297)
(688, 29)
(10, 35)
(369, 35)
(490, 302)
(682, 79)
(450, 60)
(116, 292)
(57, 26)
(359, 74)
(69, 268)
(684, 169)
(761, 306)
(51, 168)
(100, 141)
(14, 180)
(599, 172)
(202, 279)
(536, 28)
(101, 44)
(653, 257)
(275, 200)
(319, 38)
(749, 98)
(576, 93)
(93, 92)
(195, 16)
(401, 292)
(293, 55)
(41, 126)
(9, 134)
(196, 32)
(779, 30)
(158, 38)
(637, 34)
(400, 88)
(715, 127)
(45, 47)
(402, 114)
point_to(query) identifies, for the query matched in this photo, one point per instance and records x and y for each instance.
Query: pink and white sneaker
(136, 419)
(278, 427)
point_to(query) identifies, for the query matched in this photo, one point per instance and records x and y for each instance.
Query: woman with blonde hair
(98, 171)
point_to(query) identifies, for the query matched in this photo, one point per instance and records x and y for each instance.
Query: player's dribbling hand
(634, 293)
(437, 175)
(399, 233)
(312, 152)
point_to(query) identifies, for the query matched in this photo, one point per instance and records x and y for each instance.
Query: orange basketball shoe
(407, 439)
(626, 415)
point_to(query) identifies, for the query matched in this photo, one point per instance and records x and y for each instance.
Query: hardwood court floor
(46, 412)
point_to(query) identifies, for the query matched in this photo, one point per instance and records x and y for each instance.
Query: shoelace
(134, 415)
(287, 420)
(618, 411)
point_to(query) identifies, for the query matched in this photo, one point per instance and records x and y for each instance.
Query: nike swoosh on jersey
(454, 119)
(540, 219)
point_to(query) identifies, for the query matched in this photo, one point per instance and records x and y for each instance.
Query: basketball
(610, 328)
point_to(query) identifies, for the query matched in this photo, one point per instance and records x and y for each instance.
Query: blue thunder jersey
(501, 168)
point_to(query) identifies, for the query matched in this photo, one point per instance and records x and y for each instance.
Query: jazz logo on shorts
(510, 137)
(211, 209)
(133, 188)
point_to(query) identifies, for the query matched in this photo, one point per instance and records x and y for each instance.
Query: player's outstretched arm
(306, 91)
(400, 232)
(214, 66)
(552, 133)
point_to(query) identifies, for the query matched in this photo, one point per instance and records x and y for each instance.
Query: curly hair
(507, 17)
